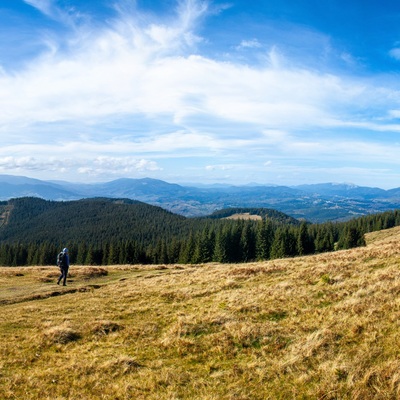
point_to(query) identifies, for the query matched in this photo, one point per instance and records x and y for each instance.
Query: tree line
(224, 241)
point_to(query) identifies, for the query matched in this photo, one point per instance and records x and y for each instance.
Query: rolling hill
(96, 220)
(316, 327)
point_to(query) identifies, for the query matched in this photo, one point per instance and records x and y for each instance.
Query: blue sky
(275, 92)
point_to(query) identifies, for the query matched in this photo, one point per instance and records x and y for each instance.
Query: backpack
(61, 259)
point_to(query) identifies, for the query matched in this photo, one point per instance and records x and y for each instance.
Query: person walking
(63, 264)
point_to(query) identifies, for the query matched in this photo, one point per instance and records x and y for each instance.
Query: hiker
(63, 264)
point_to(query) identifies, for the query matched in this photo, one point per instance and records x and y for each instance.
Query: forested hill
(106, 231)
(100, 220)
(263, 213)
(28, 220)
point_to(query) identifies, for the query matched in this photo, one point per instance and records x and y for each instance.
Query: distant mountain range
(315, 203)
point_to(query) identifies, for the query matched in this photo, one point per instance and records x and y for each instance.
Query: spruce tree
(203, 247)
(89, 260)
(221, 246)
(81, 256)
(305, 244)
(247, 244)
(187, 250)
(264, 239)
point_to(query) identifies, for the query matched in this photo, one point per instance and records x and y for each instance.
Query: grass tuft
(121, 366)
(61, 335)
(102, 328)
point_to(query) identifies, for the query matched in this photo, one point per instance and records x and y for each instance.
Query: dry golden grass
(318, 327)
(246, 216)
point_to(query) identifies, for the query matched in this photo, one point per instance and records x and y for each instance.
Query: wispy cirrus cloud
(45, 6)
(105, 89)
(113, 77)
(50, 9)
(395, 53)
(249, 44)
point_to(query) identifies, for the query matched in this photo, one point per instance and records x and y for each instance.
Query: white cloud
(51, 10)
(44, 6)
(139, 90)
(99, 166)
(127, 164)
(249, 44)
(30, 163)
(220, 167)
(135, 69)
(275, 136)
(395, 114)
(395, 53)
(109, 166)
(348, 58)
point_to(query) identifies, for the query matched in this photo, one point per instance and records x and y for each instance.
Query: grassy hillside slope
(318, 327)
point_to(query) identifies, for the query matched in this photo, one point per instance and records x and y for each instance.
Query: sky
(282, 92)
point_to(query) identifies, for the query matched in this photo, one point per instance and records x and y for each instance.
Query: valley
(315, 203)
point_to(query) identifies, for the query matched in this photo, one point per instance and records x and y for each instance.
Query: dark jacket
(63, 260)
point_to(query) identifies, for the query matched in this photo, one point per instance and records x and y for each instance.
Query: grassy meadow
(317, 327)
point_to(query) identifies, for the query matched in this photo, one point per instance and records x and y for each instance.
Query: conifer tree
(351, 237)
(187, 250)
(284, 244)
(203, 247)
(221, 246)
(163, 257)
(247, 244)
(174, 250)
(81, 255)
(264, 239)
(32, 256)
(129, 252)
(105, 253)
(89, 260)
(305, 244)
(113, 254)
(324, 240)
(234, 251)
(21, 255)
(6, 255)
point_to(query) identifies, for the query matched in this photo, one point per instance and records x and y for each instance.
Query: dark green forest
(109, 231)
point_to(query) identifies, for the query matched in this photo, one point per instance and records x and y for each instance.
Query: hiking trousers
(63, 276)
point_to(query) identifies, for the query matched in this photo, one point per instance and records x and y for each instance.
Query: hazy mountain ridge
(317, 202)
(346, 190)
